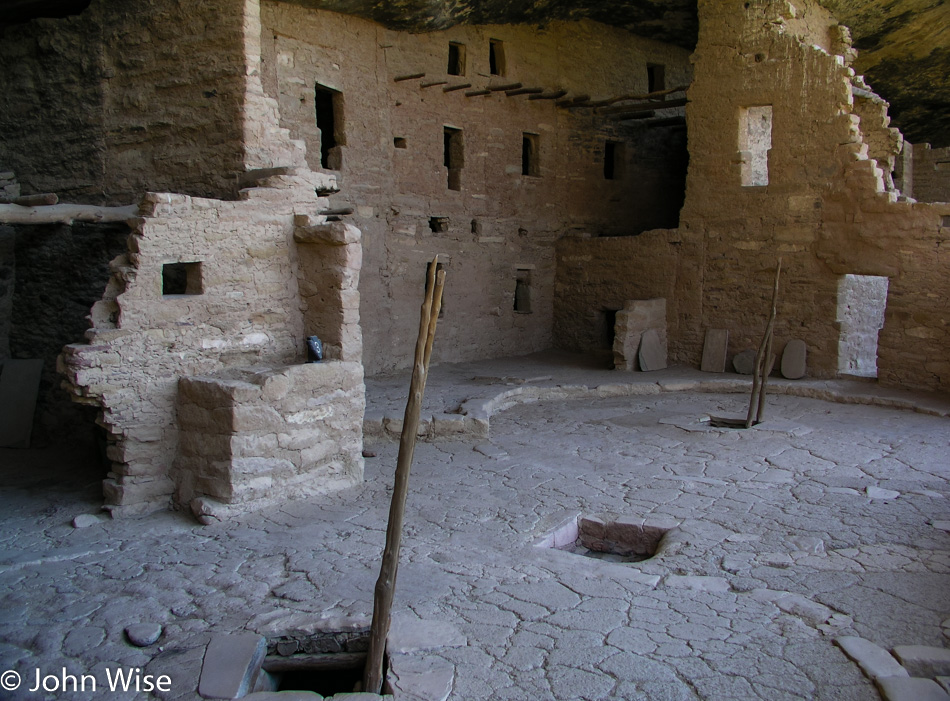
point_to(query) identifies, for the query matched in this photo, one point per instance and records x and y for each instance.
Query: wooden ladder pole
(386, 584)
(763, 360)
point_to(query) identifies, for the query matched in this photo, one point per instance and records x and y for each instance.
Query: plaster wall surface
(826, 211)
(499, 221)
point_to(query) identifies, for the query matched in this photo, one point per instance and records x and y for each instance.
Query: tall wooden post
(386, 584)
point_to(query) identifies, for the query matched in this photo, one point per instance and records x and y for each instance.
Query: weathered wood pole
(763, 361)
(386, 584)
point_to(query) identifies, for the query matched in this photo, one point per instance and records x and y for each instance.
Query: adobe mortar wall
(126, 97)
(516, 218)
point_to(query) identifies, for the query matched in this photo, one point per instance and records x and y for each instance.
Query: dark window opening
(613, 160)
(656, 77)
(181, 279)
(329, 108)
(439, 267)
(438, 225)
(399, 142)
(608, 332)
(523, 292)
(529, 155)
(456, 58)
(453, 156)
(496, 57)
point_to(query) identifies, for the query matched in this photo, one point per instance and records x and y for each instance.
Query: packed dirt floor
(828, 520)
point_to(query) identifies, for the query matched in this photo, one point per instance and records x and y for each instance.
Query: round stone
(86, 520)
(793, 359)
(143, 634)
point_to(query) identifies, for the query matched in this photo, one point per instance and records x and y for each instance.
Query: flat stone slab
(924, 660)
(793, 359)
(910, 689)
(86, 520)
(652, 354)
(878, 493)
(874, 661)
(231, 665)
(419, 678)
(744, 362)
(696, 583)
(714, 350)
(412, 635)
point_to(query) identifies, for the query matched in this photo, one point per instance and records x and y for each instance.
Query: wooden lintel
(548, 96)
(433, 83)
(65, 213)
(638, 114)
(652, 96)
(460, 86)
(315, 663)
(476, 93)
(523, 91)
(411, 76)
(643, 106)
(576, 101)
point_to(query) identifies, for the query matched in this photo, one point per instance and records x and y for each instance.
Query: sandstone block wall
(826, 210)
(266, 436)
(500, 225)
(242, 309)
(931, 174)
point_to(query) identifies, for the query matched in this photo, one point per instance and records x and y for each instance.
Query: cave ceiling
(904, 45)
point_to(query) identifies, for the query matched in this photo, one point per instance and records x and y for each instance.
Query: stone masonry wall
(262, 437)
(500, 225)
(931, 174)
(241, 309)
(825, 210)
(126, 97)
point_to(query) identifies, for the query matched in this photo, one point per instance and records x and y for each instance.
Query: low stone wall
(262, 437)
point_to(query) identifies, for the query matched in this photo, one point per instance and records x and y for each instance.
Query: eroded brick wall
(499, 221)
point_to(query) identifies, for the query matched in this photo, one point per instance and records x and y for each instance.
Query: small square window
(529, 155)
(656, 77)
(456, 58)
(496, 57)
(181, 279)
(399, 142)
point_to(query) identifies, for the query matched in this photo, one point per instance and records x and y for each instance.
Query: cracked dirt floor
(779, 550)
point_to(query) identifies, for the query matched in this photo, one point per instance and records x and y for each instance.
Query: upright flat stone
(652, 353)
(19, 384)
(714, 350)
(924, 660)
(744, 362)
(874, 661)
(793, 359)
(910, 689)
(231, 665)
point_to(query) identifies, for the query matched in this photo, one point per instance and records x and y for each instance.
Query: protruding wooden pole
(763, 361)
(386, 584)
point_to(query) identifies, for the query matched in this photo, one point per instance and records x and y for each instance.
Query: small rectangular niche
(399, 142)
(755, 142)
(522, 291)
(329, 108)
(456, 58)
(530, 163)
(453, 155)
(614, 158)
(181, 279)
(496, 57)
(656, 77)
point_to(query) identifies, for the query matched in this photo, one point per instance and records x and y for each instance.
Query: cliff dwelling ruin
(188, 191)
